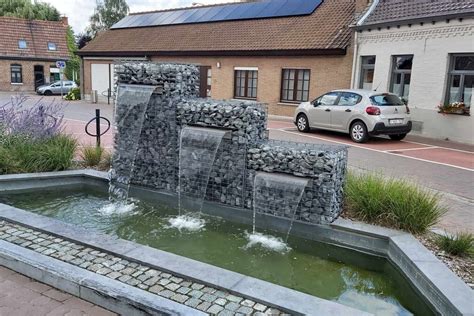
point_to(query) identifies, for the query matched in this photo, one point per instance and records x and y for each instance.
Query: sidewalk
(20, 295)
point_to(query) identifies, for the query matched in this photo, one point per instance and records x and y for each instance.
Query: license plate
(395, 122)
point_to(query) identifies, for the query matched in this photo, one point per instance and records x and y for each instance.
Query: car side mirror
(316, 103)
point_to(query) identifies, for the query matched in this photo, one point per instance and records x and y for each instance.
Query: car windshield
(386, 100)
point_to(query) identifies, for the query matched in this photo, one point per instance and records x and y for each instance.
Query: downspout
(356, 42)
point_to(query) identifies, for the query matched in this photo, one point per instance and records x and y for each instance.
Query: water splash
(266, 241)
(118, 208)
(187, 223)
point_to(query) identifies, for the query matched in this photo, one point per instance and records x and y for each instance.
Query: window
(327, 99)
(386, 100)
(22, 44)
(16, 74)
(401, 75)
(246, 84)
(51, 46)
(460, 79)
(349, 99)
(295, 85)
(367, 72)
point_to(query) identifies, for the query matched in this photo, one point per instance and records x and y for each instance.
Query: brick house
(280, 59)
(28, 52)
(424, 52)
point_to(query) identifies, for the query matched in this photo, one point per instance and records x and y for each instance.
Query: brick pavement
(22, 296)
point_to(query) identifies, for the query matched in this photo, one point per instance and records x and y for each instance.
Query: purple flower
(39, 121)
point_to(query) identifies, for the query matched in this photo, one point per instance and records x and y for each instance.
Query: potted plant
(454, 108)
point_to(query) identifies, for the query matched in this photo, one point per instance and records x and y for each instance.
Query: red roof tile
(324, 30)
(392, 11)
(37, 34)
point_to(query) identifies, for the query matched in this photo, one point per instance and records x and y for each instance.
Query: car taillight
(372, 110)
(408, 109)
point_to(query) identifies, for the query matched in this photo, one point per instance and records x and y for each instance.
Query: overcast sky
(79, 11)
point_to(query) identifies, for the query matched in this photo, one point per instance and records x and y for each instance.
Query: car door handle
(348, 110)
(328, 110)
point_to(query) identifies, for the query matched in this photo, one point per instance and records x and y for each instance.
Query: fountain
(136, 99)
(197, 151)
(279, 195)
(216, 151)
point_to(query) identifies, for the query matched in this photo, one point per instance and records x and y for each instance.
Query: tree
(83, 39)
(73, 65)
(27, 10)
(106, 14)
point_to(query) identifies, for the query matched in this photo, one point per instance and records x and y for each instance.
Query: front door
(206, 82)
(39, 75)
(342, 113)
(320, 113)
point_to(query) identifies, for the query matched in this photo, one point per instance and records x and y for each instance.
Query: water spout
(197, 152)
(277, 194)
(136, 98)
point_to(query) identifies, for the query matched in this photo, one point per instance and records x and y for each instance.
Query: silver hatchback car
(361, 113)
(55, 87)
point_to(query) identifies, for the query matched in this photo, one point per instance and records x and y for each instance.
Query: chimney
(65, 21)
(361, 5)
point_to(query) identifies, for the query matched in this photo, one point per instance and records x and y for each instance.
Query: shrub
(461, 244)
(73, 95)
(20, 154)
(396, 203)
(92, 155)
(106, 162)
(38, 121)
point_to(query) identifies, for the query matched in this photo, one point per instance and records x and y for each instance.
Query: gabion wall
(244, 151)
(324, 165)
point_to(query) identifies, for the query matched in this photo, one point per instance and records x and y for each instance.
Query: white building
(423, 51)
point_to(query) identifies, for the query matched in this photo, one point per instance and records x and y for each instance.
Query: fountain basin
(358, 245)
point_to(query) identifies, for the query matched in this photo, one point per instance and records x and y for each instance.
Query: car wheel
(397, 136)
(302, 123)
(48, 92)
(359, 132)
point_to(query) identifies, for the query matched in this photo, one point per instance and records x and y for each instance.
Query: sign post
(61, 64)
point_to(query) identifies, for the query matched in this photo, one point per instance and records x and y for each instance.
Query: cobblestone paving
(22, 296)
(187, 292)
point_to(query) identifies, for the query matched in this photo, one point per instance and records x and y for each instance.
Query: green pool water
(352, 278)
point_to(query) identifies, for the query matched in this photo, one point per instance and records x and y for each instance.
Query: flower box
(458, 108)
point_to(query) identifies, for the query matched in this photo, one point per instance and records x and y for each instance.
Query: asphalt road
(443, 167)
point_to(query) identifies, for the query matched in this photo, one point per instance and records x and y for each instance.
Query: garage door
(102, 78)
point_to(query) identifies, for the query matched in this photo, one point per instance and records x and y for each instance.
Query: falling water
(275, 194)
(197, 152)
(136, 98)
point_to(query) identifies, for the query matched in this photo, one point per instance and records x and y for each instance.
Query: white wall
(431, 45)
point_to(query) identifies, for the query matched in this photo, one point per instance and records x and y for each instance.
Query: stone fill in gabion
(324, 165)
(244, 151)
(194, 294)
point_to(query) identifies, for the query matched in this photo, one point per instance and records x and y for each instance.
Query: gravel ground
(462, 266)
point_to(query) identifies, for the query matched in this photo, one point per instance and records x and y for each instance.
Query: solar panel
(226, 12)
